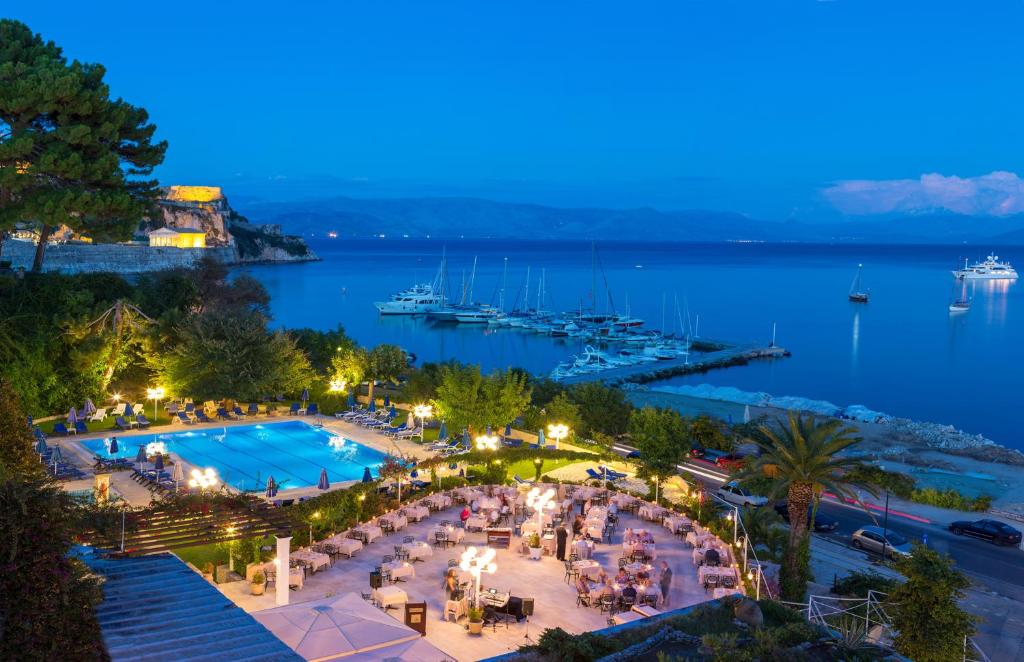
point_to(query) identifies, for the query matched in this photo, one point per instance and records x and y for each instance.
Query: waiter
(560, 537)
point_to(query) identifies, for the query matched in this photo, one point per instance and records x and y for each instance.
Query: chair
(651, 600)
(100, 414)
(727, 581)
(223, 414)
(183, 417)
(408, 539)
(711, 558)
(441, 540)
(120, 423)
(253, 409)
(80, 428)
(119, 409)
(142, 421)
(388, 558)
(453, 563)
(571, 573)
(710, 581)
(237, 411)
(202, 417)
(623, 562)
(628, 601)
(582, 598)
(607, 604)
(294, 409)
(60, 429)
(312, 410)
(400, 553)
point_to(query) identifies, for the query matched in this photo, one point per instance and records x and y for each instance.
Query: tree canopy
(69, 153)
(659, 435)
(385, 362)
(465, 398)
(602, 409)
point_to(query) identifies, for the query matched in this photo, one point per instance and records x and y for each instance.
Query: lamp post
(487, 442)
(734, 517)
(558, 432)
(336, 386)
(155, 394)
(475, 565)
(537, 463)
(541, 501)
(422, 412)
(204, 479)
(315, 515)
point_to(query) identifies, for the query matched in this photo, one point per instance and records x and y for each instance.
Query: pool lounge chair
(223, 414)
(100, 414)
(520, 481)
(122, 424)
(237, 411)
(60, 429)
(294, 409)
(202, 417)
(118, 410)
(183, 417)
(81, 428)
(312, 410)
(253, 410)
(592, 473)
(142, 421)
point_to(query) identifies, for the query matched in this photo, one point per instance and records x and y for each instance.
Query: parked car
(873, 539)
(736, 495)
(822, 522)
(987, 529)
(731, 462)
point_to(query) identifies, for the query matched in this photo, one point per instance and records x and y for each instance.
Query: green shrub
(857, 584)
(951, 499)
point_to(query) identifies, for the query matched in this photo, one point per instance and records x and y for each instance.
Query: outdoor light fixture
(475, 565)
(156, 448)
(336, 386)
(541, 501)
(487, 442)
(116, 397)
(204, 479)
(558, 432)
(156, 395)
(422, 412)
(315, 515)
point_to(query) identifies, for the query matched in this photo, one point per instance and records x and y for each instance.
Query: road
(999, 569)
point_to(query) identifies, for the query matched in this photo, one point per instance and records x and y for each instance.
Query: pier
(724, 357)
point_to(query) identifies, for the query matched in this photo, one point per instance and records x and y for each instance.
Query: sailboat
(857, 295)
(960, 302)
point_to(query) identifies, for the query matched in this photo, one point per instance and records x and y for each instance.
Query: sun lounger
(592, 473)
(122, 424)
(520, 481)
(142, 421)
(312, 410)
(81, 428)
(118, 410)
(223, 414)
(99, 415)
(60, 429)
(294, 409)
(183, 417)
(237, 411)
(190, 407)
(253, 410)
(202, 417)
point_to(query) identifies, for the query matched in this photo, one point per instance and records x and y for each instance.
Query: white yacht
(990, 269)
(417, 300)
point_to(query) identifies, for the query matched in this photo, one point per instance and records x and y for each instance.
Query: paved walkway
(543, 580)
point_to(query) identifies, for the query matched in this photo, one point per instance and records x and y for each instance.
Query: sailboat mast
(526, 294)
(593, 276)
(472, 281)
(504, 283)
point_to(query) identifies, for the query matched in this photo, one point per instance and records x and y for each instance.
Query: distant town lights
(487, 442)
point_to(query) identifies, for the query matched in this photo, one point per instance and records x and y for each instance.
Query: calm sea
(903, 353)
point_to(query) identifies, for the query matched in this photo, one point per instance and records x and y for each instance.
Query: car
(697, 452)
(633, 455)
(886, 543)
(739, 496)
(987, 529)
(731, 462)
(822, 522)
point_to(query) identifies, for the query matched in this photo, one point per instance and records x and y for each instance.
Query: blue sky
(755, 106)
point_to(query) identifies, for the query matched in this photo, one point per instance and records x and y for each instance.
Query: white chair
(119, 409)
(99, 415)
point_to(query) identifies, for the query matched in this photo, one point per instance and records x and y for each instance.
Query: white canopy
(335, 628)
(420, 650)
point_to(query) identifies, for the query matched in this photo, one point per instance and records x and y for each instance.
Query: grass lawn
(217, 553)
(526, 469)
(108, 424)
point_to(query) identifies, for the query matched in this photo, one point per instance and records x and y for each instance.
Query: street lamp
(422, 412)
(734, 517)
(541, 501)
(558, 432)
(155, 394)
(475, 565)
(487, 442)
(336, 386)
(204, 479)
(315, 515)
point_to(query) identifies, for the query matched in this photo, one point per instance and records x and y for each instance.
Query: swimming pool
(292, 452)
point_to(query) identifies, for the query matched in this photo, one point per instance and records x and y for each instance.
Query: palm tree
(802, 457)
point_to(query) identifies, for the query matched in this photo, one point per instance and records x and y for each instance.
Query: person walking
(665, 581)
(561, 535)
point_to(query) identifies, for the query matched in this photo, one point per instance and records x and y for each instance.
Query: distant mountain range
(444, 217)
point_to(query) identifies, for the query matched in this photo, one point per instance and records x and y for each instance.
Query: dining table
(390, 596)
(417, 513)
(476, 522)
(651, 513)
(588, 568)
(369, 532)
(583, 548)
(452, 533)
(705, 571)
(399, 570)
(313, 560)
(675, 522)
(439, 501)
(397, 521)
(626, 617)
(418, 550)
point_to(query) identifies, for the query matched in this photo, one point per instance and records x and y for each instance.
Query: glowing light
(155, 393)
(337, 385)
(540, 501)
(116, 397)
(203, 479)
(558, 432)
(156, 448)
(423, 411)
(476, 564)
(487, 442)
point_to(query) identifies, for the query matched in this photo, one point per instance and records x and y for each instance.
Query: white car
(738, 496)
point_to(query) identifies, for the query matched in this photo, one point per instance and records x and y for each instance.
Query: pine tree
(69, 154)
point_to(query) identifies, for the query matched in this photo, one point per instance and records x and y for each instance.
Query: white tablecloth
(371, 531)
(418, 550)
(390, 595)
(347, 546)
(399, 569)
(651, 513)
(439, 501)
(630, 547)
(583, 548)
(695, 538)
(417, 513)
(626, 617)
(454, 533)
(476, 522)
(634, 568)
(674, 522)
(705, 571)
(587, 568)
(311, 559)
(398, 522)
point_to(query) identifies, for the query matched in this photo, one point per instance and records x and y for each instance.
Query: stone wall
(119, 258)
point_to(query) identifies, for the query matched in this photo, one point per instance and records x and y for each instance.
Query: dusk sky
(762, 107)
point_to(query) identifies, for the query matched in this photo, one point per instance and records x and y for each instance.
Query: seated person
(582, 585)
(622, 577)
(577, 525)
(629, 593)
(648, 538)
(602, 576)
(608, 591)
(628, 535)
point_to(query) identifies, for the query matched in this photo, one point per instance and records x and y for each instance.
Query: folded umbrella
(394, 411)
(367, 477)
(508, 429)
(373, 406)
(72, 417)
(41, 446)
(178, 475)
(57, 456)
(112, 450)
(89, 407)
(351, 399)
(443, 432)
(158, 466)
(271, 487)
(387, 400)
(323, 483)
(128, 411)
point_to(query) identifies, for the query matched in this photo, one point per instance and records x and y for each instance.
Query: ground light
(422, 412)
(476, 564)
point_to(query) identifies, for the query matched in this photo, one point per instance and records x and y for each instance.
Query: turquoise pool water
(292, 452)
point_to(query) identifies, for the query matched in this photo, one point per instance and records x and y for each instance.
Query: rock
(747, 611)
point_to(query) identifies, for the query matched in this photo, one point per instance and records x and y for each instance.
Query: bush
(899, 484)
(951, 499)
(775, 613)
(857, 584)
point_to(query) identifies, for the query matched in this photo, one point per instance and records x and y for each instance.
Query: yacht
(857, 293)
(990, 269)
(417, 300)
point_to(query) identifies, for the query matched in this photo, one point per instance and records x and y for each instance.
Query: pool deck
(543, 580)
(137, 495)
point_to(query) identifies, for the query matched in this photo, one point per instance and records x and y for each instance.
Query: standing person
(560, 535)
(665, 580)
(465, 514)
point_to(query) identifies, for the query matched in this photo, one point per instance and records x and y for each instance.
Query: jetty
(722, 356)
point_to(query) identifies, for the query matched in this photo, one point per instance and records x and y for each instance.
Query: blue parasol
(113, 446)
(323, 483)
(41, 446)
(89, 407)
(140, 457)
(465, 437)
(305, 395)
(367, 477)
(393, 412)
(158, 466)
(488, 430)
(271, 487)
(414, 474)
(57, 456)
(443, 432)
(72, 417)
(508, 429)
(351, 399)
(387, 400)
(540, 437)
(373, 406)
(128, 411)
